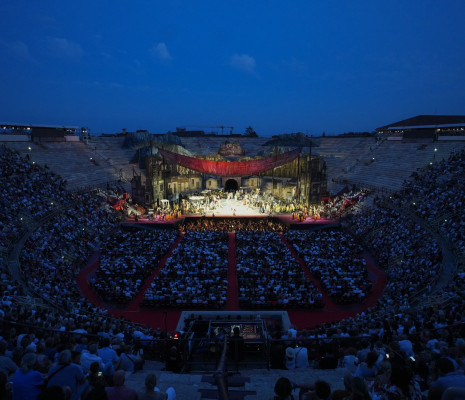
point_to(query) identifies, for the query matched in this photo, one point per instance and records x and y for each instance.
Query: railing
(220, 374)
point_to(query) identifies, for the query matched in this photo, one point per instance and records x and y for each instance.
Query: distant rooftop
(426, 121)
(23, 125)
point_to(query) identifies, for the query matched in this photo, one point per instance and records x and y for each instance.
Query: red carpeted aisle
(329, 305)
(304, 319)
(134, 305)
(301, 319)
(233, 301)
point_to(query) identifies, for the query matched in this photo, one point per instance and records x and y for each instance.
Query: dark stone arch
(231, 185)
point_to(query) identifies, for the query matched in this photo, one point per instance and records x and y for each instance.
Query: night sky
(310, 66)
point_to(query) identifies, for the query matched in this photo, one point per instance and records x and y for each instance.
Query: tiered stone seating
(71, 160)
(341, 155)
(112, 151)
(395, 161)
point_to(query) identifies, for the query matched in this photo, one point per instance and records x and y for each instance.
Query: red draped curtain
(233, 168)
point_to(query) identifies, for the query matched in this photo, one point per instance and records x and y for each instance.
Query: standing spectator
(236, 346)
(301, 356)
(174, 360)
(277, 353)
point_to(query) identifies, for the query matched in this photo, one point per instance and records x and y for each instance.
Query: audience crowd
(269, 276)
(53, 254)
(234, 224)
(436, 194)
(334, 258)
(127, 260)
(408, 346)
(27, 192)
(407, 252)
(195, 275)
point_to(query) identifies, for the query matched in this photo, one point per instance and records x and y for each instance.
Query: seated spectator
(359, 389)
(119, 391)
(369, 368)
(447, 377)
(66, 373)
(7, 366)
(402, 385)
(97, 393)
(283, 389)
(109, 358)
(55, 393)
(320, 390)
(128, 362)
(151, 392)
(27, 383)
(88, 357)
(95, 377)
(350, 361)
(289, 361)
(43, 362)
(406, 346)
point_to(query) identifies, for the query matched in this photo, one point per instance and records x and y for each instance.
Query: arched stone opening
(231, 185)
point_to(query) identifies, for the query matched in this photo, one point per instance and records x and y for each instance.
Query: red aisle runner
(134, 305)
(233, 301)
(301, 319)
(329, 305)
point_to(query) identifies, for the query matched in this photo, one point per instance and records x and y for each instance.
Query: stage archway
(231, 185)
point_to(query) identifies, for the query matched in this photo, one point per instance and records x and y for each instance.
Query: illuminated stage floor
(234, 208)
(231, 207)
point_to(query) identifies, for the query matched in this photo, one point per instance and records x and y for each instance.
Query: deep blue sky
(302, 65)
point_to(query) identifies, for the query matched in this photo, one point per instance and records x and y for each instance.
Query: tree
(249, 131)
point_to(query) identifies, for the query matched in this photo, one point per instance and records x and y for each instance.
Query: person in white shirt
(289, 360)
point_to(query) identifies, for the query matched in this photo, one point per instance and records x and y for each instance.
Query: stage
(230, 208)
